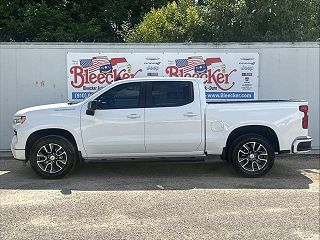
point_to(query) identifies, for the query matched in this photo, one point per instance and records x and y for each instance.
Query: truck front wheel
(52, 157)
(252, 155)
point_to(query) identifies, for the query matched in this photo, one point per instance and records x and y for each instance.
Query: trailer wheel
(53, 157)
(252, 155)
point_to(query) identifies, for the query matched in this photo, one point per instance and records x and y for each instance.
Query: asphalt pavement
(162, 201)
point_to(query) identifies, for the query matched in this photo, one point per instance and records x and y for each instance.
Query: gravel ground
(162, 201)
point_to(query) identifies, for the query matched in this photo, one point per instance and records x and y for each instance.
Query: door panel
(175, 128)
(117, 128)
(113, 132)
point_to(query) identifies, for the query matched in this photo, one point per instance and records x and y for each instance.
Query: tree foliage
(70, 20)
(230, 20)
(173, 23)
(159, 20)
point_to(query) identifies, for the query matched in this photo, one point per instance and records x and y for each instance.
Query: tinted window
(171, 94)
(126, 95)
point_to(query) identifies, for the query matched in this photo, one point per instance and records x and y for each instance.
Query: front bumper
(18, 154)
(301, 145)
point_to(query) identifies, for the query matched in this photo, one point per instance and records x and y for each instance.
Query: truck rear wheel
(52, 157)
(252, 155)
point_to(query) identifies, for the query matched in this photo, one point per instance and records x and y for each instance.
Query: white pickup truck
(157, 119)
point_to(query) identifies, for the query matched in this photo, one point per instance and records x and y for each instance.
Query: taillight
(304, 109)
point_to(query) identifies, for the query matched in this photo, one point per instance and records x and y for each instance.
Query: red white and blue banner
(226, 76)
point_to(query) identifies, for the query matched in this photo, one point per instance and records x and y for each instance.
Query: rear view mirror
(92, 106)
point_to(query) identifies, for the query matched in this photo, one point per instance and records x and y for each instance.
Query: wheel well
(264, 131)
(45, 132)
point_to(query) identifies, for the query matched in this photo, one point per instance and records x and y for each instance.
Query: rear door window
(171, 93)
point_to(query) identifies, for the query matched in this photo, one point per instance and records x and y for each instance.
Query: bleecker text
(220, 79)
(82, 76)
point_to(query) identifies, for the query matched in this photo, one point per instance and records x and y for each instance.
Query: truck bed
(282, 116)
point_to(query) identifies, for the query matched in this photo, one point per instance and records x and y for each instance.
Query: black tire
(252, 155)
(49, 161)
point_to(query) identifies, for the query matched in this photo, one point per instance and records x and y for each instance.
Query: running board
(146, 160)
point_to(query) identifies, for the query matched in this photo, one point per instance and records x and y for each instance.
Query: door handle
(190, 114)
(132, 116)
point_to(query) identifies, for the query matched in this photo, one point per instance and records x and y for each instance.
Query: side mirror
(92, 106)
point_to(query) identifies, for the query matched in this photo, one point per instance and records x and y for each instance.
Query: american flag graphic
(94, 63)
(188, 64)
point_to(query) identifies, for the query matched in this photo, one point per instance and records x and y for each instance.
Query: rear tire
(53, 157)
(252, 155)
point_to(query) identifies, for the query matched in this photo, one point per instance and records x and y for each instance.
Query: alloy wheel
(51, 158)
(252, 156)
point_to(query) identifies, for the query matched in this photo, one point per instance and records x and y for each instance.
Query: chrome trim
(298, 140)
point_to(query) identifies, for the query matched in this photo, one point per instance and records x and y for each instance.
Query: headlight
(19, 119)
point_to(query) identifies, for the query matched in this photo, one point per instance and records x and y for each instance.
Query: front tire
(53, 157)
(252, 155)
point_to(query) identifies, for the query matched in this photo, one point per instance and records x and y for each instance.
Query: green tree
(70, 20)
(285, 20)
(173, 23)
(230, 20)
(225, 20)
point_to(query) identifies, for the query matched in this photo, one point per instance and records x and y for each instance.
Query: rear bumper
(301, 145)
